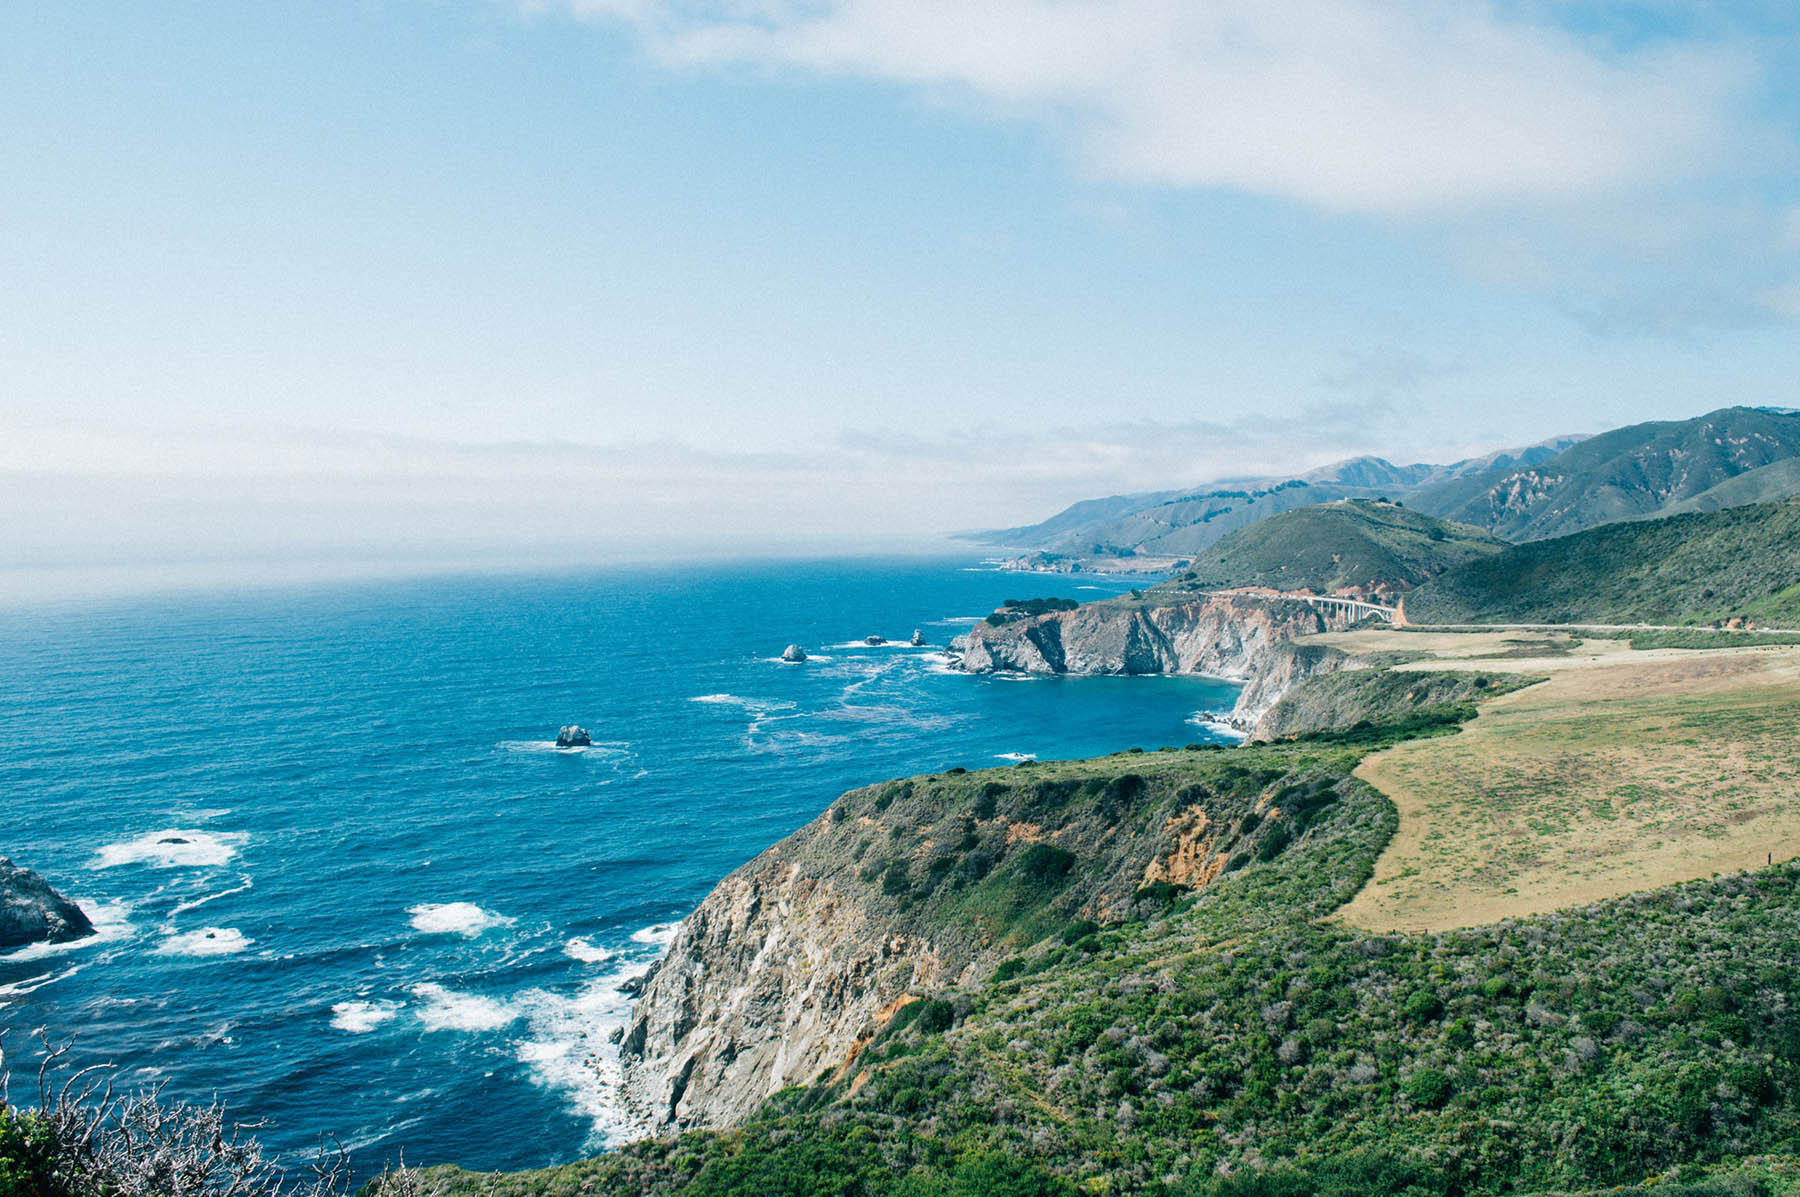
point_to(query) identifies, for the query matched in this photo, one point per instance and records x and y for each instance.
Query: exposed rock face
(783, 972)
(793, 654)
(32, 912)
(1279, 670)
(797, 960)
(1238, 636)
(918, 638)
(573, 737)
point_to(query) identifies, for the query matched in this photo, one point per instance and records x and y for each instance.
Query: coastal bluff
(1241, 637)
(913, 892)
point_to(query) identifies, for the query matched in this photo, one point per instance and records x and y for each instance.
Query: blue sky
(438, 277)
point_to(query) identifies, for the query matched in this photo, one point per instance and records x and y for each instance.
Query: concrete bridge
(1357, 608)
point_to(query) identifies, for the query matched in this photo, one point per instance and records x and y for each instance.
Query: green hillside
(1235, 1041)
(1636, 472)
(1377, 548)
(1769, 484)
(1686, 569)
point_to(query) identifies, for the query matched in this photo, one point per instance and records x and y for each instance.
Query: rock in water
(32, 912)
(918, 640)
(874, 640)
(573, 737)
(794, 653)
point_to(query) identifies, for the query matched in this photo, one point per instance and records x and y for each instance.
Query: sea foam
(173, 848)
(447, 1010)
(359, 1018)
(660, 934)
(567, 1048)
(587, 953)
(455, 918)
(206, 941)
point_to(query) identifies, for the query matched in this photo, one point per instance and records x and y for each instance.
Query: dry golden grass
(1625, 770)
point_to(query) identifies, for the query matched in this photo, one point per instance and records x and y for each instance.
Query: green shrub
(1044, 863)
(1428, 1088)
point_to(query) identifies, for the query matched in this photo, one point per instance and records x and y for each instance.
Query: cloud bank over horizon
(86, 495)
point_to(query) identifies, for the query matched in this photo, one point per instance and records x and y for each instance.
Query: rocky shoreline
(1239, 637)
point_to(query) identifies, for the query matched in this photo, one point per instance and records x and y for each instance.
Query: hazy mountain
(1181, 523)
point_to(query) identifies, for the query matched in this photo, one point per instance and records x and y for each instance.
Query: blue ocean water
(346, 881)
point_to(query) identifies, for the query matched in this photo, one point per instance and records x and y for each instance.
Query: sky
(545, 280)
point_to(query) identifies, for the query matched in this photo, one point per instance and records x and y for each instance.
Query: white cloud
(1385, 106)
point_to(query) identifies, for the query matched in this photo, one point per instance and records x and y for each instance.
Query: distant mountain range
(1726, 458)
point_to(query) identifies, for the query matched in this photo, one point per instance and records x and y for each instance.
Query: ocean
(347, 883)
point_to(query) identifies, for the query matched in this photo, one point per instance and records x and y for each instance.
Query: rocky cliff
(1239, 636)
(799, 959)
(32, 912)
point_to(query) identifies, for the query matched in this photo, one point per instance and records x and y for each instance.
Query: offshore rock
(918, 638)
(573, 737)
(872, 641)
(793, 654)
(32, 912)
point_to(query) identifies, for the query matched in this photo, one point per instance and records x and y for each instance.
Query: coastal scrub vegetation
(1697, 569)
(1013, 610)
(1233, 1037)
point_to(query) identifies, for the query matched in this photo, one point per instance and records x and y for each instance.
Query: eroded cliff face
(916, 888)
(785, 969)
(1239, 636)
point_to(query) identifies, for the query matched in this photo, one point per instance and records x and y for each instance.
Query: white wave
(1015, 756)
(359, 1018)
(184, 907)
(112, 922)
(33, 984)
(1218, 727)
(207, 941)
(455, 918)
(587, 953)
(811, 658)
(758, 705)
(954, 620)
(660, 934)
(447, 1010)
(174, 847)
(597, 749)
(567, 1048)
(903, 642)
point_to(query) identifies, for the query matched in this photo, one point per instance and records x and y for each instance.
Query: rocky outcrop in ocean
(32, 912)
(573, 737)
(793, 654)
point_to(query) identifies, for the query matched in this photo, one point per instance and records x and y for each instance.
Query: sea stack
(32, 912)
(918, 639)
(573, 737)
(874, 640)
(793, 653)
